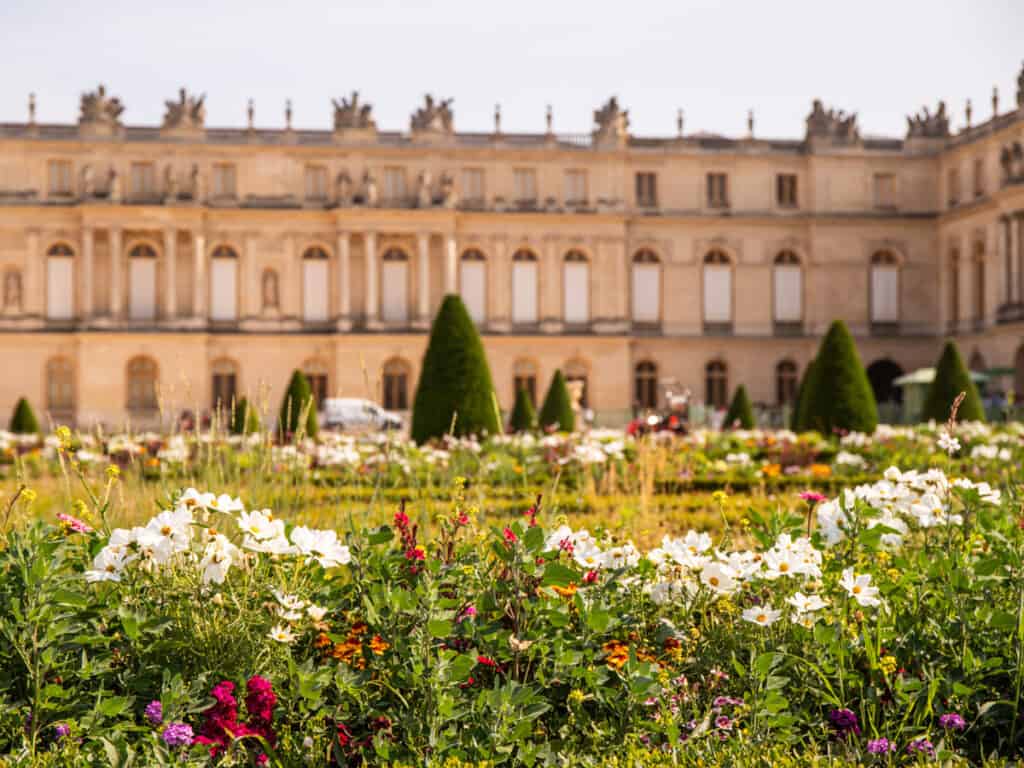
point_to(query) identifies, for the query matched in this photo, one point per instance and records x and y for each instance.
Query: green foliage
(245, 419)
(455, 379)
(557, 409)
(741, 412)
(952, 378)
(23, 420)
(837, 393)
(524, 417)
(298, 401)
(796, 418)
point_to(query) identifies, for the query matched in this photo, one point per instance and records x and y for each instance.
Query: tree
(795, 418)
(298, 397)
(524, 417)
(740, 411)
(557, 409)
(23, 420)
(838, 395)
(245, 419)
(952, 378)
(455, 381)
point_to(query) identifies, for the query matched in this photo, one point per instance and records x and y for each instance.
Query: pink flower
(468, 612)
(813, 497)
(510, 536)
(73, 524)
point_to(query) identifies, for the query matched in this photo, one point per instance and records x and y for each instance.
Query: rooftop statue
(611, 118)
(831, 123)
(187, 112)
(349, 113)
(99, 107)
(433, 117)
(926, 125)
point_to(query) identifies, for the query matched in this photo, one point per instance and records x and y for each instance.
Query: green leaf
(598, 620)
(533, 539)
(439, 628)
(558, 575)
(114, 706)
(67, 597)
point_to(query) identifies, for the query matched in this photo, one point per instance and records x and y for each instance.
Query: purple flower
(844, 722)
(60, 730)
(155, 712)
(952, 721)
(880, 746)
(921, 747)
(177, 735)
(723, 723)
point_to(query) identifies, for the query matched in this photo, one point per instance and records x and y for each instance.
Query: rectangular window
(647, 190)
(885, 294)
(524, 292)
(575, 187)
(473, 186)
(224, 390)
(60, 177)
(979, 177)
(717, 295)
(224, 180)
(525, 181)
(785, 190)
(527, 382)
(885, 190)
(315, 286)
(59, 287)
(788, 294)
(718, 190)
(953, 186)
(318, 387)
(472, 280)
(394, 185)
(316, 183)
(143, 181)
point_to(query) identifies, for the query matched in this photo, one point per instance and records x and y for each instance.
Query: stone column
(33, 292)
(199, 276)
(116, 260)
(423, 280)
(451, 261)
(88, 261)
(344, 280)
(550, 279)
(372, 299)
(499, 287)
(1012, 264)
(1003, 258)
(171, 272)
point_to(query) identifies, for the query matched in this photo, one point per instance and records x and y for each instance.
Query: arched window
(60, 388)
(316, 373)
(524, 288)
(954, 288)
(978, 308)
(885, 288)
(882, 375)
(394, 282)
(524, 376)
(395, 385)
(60, 285)
(12, 291)
(576, 289)
(787, 277)
(716, 384)
(717, 289)
(472, 282)
(224, 284)
(576, 371)
(978, 364)
(142, 283)
(315, 285)
(645, 384)
(786, 382)
(646, 287)
(141, 386)
(224, 386)
(270, 290)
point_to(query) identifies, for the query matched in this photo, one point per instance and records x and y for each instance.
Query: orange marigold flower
(821, 470)
(566, 591)
(378, 646)
(772, 470)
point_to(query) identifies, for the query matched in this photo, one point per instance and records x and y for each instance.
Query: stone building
(152, 269)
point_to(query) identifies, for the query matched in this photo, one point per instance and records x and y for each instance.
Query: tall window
(224, 180)
(885, 190)
(315, 285)
(316, 183)
(473, 186)
(718, 190)
(143, 182)
(524, 288)
(472, 284)
(394, 185)
(59, 177)
(717, 289)
(576, 371)
(576, 289)
(785, 190)
(716, 381)
(647, 189)
(224, 284)
(979, 282)
(645, 384)
(394, 283)
(885, 288)
(525, 183)
(953, 186)
(979, 177)
(646, 287)
(141, 386)
(60, 388)
(787, 277)
(224, 385)
(954, 287)
(524, 376)
(315, 372)
(142, 283)
(60, 283)
(785, 382)
(575, 187)
(395, 383)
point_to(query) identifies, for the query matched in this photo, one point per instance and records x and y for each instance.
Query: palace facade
(149, 270)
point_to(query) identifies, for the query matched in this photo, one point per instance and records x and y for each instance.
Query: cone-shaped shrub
(23, 420)
(455, 380)
(297, 398)
(245, 419)
(838, 394)
(557, 409)
(795, 417)
(524, 417)
(741, 412)
(952, 378)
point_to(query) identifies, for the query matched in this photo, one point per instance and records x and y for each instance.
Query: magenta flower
(154, 712)
(921, 747)
(178, 735)
(952, 721)
(813, 497)
(73, 524)
(880, 746)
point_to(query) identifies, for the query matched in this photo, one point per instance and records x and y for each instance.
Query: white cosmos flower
(859, 588)
(806, 603)
(290, 606)
(226, 504)
(108, 564)
(281, 634)
(322, 546)
(217, 559)
(166, 534)
(831, 521)
(316, 612)
(948, 443)
(781, 563)
(763, 615)
(193, 499)
(276, 546)
(260, 524)
(720, 578)
(122, 539)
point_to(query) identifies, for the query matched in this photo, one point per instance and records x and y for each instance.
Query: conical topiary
(952, 378)
(741, 412)
(524, 417)
(23, 420)
(557, 409)
(838, 395)
(455, 381)
(297, 398)
(245, 419)
(796, 415)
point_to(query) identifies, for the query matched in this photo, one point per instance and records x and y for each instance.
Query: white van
(357, 414)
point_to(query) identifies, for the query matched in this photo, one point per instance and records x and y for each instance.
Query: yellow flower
(29, 495)
(888, 664)
(113, 471)
(719, 497)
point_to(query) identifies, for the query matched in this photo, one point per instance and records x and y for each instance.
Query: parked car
(357, 414)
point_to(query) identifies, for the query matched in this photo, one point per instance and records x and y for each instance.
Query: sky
(714, 60)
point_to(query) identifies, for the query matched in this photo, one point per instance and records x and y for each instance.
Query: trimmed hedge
(245, 419)
(952, 378)
(557, 409)
(296, 398)
(23, 419)
(837, 393)
(741, 412)
(524, 417)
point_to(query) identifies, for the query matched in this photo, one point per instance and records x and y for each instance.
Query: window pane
(315, 290)
(524, 292)
(646, 293)
(223, 290)
(471, 286)
(59, 287)
(395, 291)
(788, 294)
(142, 279)
(717, 294)
(577, 292)
(885, 294)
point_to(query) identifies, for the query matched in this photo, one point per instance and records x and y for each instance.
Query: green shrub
(524, 417)
(245, 419)
(952, 378)
(23, 420)
(838, 394)
(741, 412)
(297, 397)
(795, 417)
(557, 409)
(455, 380)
